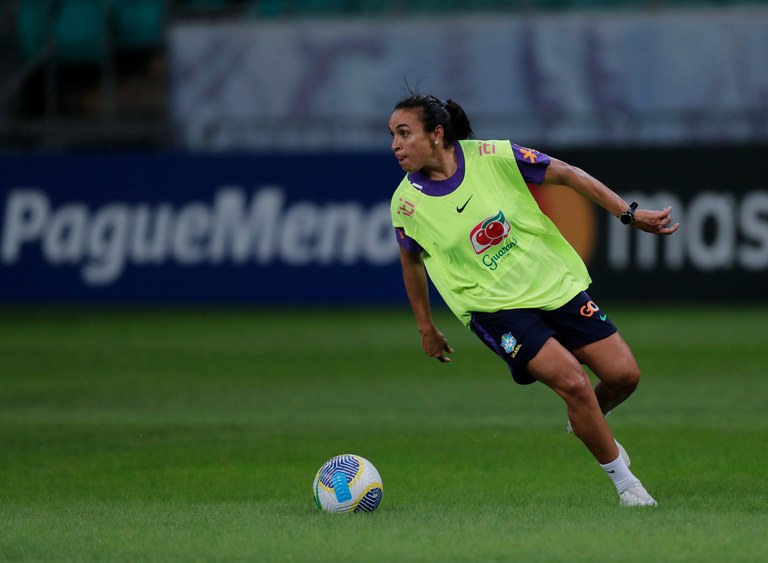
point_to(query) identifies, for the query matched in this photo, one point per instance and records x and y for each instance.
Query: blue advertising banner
(215, 229)
(283, 229)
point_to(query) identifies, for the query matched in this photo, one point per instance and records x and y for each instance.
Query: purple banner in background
(572, 79)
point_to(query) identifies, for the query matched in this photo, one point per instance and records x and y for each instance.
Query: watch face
(626, 218)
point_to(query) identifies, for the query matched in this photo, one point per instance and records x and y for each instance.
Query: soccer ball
(347, 483)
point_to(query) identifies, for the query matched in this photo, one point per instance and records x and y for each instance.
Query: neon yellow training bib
(487, 245)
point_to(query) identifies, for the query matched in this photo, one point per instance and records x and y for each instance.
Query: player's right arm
(417, 288)
(558, 172)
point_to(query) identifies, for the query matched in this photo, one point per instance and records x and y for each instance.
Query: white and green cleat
(636, 495)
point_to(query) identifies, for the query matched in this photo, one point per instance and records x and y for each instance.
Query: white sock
(620, 474)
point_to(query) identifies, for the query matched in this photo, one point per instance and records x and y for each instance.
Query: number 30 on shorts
(589, 309)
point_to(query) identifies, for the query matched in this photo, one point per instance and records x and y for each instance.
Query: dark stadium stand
(82, 29)
(101, 60)
(82, 72)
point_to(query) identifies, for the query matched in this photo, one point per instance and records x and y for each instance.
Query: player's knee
(626, 378)
(574, 385)
(632, 377)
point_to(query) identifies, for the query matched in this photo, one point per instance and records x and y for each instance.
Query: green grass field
(194, 435)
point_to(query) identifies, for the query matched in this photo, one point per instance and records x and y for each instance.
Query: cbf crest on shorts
(510, 345)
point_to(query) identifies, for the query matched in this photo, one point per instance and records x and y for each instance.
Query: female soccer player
(464, 215)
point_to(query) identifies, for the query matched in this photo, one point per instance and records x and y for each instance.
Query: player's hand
(656, 222)
(435, 345)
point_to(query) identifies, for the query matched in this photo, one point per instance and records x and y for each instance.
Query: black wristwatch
(628, 217)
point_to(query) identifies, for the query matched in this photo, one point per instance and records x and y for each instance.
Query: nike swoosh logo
(460, 209)
(603, 317)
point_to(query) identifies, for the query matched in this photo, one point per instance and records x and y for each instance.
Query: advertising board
(315, 228)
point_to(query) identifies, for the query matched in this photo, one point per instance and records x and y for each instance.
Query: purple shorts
(517, 335)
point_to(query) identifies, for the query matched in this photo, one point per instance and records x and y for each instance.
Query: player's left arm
(561, 173)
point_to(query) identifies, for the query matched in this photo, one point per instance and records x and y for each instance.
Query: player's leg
(525, 342)
(559, 370)
(583, 328)
(612, 361)
(595, 341)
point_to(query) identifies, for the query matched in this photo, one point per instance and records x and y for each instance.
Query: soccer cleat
(636, 495)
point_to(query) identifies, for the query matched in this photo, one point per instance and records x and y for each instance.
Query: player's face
(413, 147)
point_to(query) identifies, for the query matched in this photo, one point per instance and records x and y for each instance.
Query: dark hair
(435, 111)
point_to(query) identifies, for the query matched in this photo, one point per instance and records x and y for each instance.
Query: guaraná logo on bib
(489, 233)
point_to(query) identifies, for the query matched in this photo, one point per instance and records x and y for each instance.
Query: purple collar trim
(438, 188)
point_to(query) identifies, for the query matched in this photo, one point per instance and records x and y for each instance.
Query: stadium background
(214, 151)
(159, 157)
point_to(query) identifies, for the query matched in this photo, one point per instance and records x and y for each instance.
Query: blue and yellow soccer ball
(347, 483)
